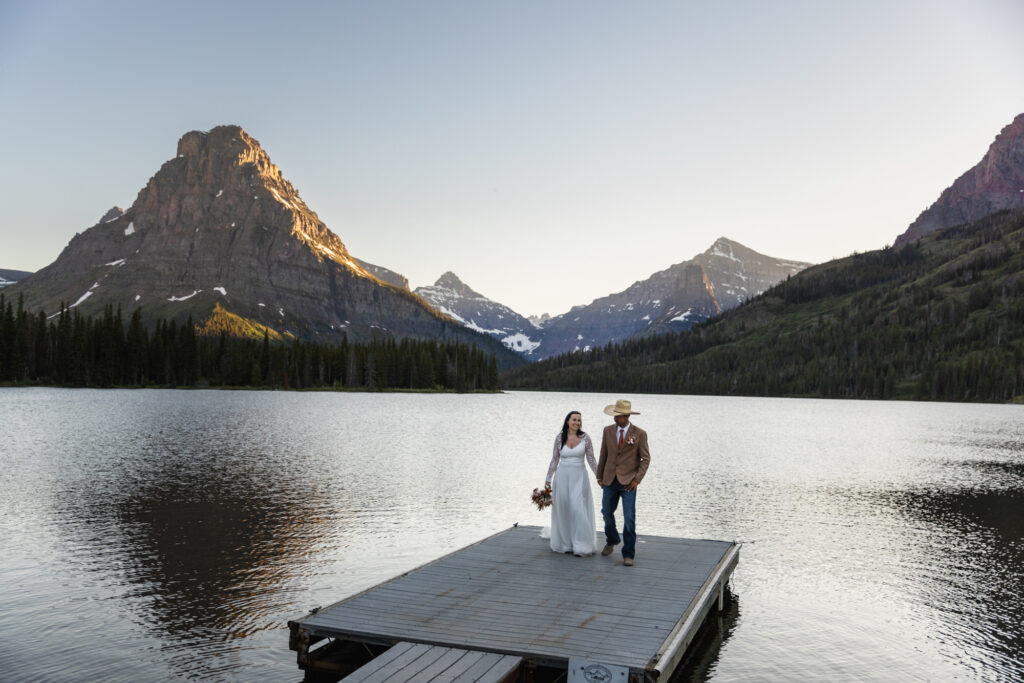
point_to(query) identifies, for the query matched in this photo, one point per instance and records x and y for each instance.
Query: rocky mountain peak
(112, 214)
(450, 280)
(539, 321)
(456, 299)
(728, 249)
(670, 300)
(218, 225)
(993, 184)
(227, 150)
(723, 243)
(222, 183)
(738, 273)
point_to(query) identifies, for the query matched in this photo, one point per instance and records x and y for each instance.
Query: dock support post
(300, 644)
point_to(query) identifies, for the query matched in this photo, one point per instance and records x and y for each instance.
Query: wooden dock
(510, 595)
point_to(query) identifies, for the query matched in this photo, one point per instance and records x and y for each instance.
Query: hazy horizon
(548, 154)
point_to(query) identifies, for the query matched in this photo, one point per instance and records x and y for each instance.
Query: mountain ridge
(672, 299)
(940, 318)
(9, 276)
(669, 300)
(219, 223)
(993, 184)
(454, 298)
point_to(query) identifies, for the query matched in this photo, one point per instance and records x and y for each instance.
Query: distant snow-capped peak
(455, 298)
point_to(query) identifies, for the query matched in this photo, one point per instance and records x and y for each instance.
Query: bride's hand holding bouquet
(542, 497)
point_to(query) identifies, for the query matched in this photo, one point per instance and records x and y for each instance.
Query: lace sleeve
(554, 458)
(590, 454)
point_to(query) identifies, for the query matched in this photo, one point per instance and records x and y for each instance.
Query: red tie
(620, 438)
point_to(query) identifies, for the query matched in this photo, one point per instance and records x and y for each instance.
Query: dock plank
(418, 663)
(443, 663)
(399, 652)
(479, 669)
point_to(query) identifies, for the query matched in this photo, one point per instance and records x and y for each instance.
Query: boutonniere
(631, 441)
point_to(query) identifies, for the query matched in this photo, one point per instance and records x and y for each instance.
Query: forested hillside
(941, 318)
(74, 350)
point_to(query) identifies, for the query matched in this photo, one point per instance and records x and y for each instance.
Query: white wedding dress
(573, 521)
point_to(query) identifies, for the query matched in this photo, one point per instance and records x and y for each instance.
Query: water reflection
(202, 531)
(701, 661)
(210, 545)
(970, 552)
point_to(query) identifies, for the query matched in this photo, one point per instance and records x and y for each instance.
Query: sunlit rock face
(219, 223)
(691, 302)
(454, 298)
(994, 184)
(738, 273)
(670, 300)
(385, 274)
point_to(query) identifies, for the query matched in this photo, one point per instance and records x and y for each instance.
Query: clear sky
(547, 152)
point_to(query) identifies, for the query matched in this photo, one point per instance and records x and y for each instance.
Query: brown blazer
(627, 464)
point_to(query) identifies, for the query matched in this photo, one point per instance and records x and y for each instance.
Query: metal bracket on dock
(299, 640)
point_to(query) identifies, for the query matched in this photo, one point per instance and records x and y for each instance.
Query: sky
(548, 153)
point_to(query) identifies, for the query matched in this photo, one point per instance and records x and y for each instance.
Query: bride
(573, 527)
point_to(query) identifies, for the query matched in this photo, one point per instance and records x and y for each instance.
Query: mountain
(738, 273)
(454, 298)
(539, 320)
(384, 275)
(218, 230)
(939, 318)
(670, 300)
(995, 183)
(691, 302)
(680, 295)
(9, 277)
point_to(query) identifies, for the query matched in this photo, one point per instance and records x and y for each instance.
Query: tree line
(938, 319)
(105, 351)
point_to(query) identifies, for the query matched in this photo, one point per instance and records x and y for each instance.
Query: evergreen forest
(941, 318)
(76, 351)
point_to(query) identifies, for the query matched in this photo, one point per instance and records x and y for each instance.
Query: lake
(170, 535)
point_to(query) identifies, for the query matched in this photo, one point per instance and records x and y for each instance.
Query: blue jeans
(609, 504)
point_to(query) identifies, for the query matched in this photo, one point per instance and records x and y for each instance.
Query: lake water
(169, 535)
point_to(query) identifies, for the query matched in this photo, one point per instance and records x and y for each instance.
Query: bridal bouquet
(541, 497)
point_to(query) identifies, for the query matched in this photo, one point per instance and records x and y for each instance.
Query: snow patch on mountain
(520, 342)
(456, 299)
(473, 326)
(682, 318)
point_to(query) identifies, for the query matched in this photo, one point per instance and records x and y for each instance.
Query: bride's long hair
(565, 427)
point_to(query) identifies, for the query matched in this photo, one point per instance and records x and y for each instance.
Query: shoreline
(362, 390)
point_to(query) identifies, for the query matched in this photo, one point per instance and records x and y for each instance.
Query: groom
(623, 463)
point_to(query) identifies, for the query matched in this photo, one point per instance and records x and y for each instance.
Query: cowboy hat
(620, 407)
